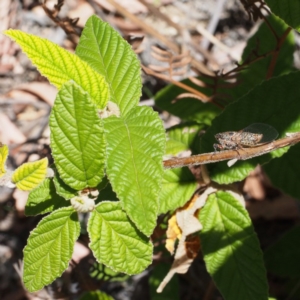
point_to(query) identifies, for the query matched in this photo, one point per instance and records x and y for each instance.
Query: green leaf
(178, 186)
(135, 147)
(231, 249)
(186, 108)
(288, 10)
(280, 258)
(116, 242)
(259, 44)
(184, 136)
(284, 172)
(61, 66)
(274, 102)
(171, 290)
(3, 157)
(96, 295)
(108, 53)
(77, 139)
(44, 199)
(288, 165)
(49, 248)
(29, 175)
(62, 188)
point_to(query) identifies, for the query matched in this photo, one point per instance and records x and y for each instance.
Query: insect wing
(269, 133)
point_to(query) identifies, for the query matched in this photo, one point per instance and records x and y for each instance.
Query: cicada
(253, 135)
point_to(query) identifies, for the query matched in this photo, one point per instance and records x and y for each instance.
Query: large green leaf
(282, 256)
(260, 43)
(60, 66)
(115, 240)
(77, 138)
(186, 108)
(274, 102)
(231, 249)
(288, 10)
(108, 53)
(44, 199)
(284, 172)
(135, 147)
(49, 248)
(178, 186)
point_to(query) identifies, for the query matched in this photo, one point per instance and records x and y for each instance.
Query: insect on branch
(241, 154)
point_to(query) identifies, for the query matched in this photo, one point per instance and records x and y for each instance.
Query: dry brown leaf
(41, 90)
(82, 11)
(133, 6)
(9, 132)
(188, 224)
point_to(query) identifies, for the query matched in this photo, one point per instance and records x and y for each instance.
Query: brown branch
(242, 154)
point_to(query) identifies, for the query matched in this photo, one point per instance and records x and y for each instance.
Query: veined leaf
(288, 10)
(77, 138)
(61, 66)
(49, 248)
(44, 199)
(231, 249)
(274, 102)
(108, 53)
(29, 175)
(178, 186)
(115, 240)
(135, 147)
(3, 157)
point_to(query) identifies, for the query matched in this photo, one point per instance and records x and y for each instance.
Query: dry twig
(242, 154)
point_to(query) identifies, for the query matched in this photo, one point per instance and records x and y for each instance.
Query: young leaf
(77, 139)
(135, 147)
(289, 174)
(274, 102)
(288, 10)
(44, 199)
(116, 242)
(61, 66)
(29, 175)
(178, 186)
(108, 53)
(231, 249)
(49, 248)
(3, 157)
